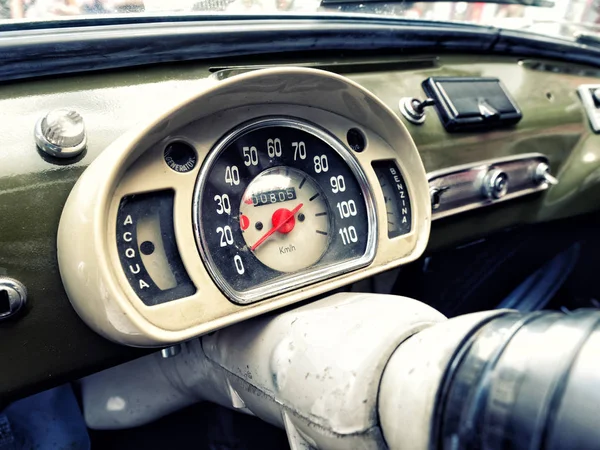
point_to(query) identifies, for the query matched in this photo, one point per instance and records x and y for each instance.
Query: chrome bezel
(309, 275)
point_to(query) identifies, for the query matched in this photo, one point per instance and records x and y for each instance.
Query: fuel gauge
(395, 194)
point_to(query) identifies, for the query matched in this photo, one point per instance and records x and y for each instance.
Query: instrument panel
(231, 205)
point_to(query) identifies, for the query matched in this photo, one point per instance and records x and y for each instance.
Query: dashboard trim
(71, 45)
(435, 180)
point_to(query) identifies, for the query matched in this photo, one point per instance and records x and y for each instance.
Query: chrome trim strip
(307, 276)
(482, 167)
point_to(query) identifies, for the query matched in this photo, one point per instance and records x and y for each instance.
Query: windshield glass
(565, 18)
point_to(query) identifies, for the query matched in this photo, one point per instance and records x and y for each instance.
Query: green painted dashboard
(49, 344)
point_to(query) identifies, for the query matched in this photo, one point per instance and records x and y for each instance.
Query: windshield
(566, 18)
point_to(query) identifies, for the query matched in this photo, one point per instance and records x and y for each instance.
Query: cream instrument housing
(89, 264)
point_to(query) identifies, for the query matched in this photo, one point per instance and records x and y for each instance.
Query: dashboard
(208, 195)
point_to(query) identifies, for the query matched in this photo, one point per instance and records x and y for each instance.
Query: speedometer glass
(280, 203)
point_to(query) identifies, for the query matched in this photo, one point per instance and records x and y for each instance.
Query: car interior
(423, 275)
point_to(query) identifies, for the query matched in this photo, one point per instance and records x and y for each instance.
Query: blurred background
(564, 17)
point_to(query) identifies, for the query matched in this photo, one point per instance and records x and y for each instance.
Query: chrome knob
(495, 184)
(61, 133)
(542, 175)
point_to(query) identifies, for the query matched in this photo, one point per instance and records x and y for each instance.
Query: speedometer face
(279, 204)
(284, 217)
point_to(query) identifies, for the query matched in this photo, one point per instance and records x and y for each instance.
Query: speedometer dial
(280, 203)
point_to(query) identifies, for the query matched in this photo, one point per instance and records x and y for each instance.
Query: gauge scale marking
(279, 204)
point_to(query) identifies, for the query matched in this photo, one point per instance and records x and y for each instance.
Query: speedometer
(280, 203)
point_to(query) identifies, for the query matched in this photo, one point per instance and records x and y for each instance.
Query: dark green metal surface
(49, 344)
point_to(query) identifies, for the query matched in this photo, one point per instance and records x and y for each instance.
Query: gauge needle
(278, 225)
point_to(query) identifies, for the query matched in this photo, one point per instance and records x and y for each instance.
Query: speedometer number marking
(337, 184)
(299, 150)
(274, 147)
(321, 163)
(347, 209)
(226, 236)
(250, 156)
(232, 175)
(348, 235)
(223, 204)
(239, 264)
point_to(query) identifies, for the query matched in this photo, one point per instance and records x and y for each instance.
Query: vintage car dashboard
(209, 195)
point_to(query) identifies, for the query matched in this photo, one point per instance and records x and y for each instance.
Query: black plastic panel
(465, 104)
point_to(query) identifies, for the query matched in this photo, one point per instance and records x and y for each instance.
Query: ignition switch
(495, 184)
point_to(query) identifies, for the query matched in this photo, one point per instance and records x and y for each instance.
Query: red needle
(277, 227)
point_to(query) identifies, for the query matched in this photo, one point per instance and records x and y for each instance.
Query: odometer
(280, 203)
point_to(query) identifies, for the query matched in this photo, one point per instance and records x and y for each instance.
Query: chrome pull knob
(61, 133)
(495, 184)
(542, 175)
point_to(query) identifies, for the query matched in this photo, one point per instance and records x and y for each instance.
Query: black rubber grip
(523, 381)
